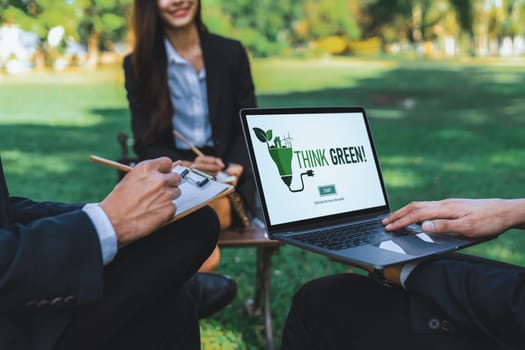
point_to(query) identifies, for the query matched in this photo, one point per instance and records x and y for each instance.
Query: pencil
(193, 148)
(199, 153)
(110, 163)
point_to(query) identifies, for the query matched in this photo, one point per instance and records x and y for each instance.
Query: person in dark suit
(452, 302)
(102, 276)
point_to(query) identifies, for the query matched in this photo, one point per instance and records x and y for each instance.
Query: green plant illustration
(281, 153)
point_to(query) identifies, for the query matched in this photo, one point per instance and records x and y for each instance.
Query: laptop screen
(313, 163)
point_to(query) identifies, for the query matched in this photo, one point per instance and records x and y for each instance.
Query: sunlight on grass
(72, 76)
(507, 157)
(401, 178)
(64, 118)
(18, 163)
(214, 336)
(284, 76)
(517, 108)
(473, 116)
(386, 113)
(401, 161)
(455, 134)
(458, 167)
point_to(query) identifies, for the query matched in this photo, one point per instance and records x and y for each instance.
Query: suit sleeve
(52, 262)
(244, 98)
(24, 210)
(487, 297)
(140, 120)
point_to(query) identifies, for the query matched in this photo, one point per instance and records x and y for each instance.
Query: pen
(110, 163)
(196, 151)
(190, 145)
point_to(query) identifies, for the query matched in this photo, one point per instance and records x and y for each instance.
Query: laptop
(321, 187)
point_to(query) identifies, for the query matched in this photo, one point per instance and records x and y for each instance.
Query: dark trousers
(145, 304)
(349, 311)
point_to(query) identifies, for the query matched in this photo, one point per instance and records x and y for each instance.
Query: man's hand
(142, 201)
(469, 217)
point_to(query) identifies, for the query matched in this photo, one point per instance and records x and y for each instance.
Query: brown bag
(240, 214)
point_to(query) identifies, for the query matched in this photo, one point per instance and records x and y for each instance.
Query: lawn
(442, 129)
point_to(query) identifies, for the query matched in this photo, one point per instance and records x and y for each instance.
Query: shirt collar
(171, 54)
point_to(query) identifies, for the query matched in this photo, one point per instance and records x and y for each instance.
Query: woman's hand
(236, 170)
(209, 164)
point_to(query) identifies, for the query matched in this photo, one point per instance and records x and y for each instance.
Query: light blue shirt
(106, 232)
(189, 96)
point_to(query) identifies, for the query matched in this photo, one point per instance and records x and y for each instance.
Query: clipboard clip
(195, 177)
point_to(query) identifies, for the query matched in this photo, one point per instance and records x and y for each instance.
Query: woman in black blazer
(181, 77)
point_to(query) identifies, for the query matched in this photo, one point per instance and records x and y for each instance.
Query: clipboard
(197, 190)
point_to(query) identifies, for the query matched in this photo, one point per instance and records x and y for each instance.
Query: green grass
(442, 129)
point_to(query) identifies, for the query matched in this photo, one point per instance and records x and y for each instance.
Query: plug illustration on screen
(281, 153)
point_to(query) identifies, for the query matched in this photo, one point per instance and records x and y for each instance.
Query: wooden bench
(255, 237)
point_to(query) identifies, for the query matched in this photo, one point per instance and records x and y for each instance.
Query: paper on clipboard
(223, 177)
(196, 191)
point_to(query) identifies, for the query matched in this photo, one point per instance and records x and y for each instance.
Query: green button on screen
(327, 190)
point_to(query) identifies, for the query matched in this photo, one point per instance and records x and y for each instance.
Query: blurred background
(443, 82)
(85, 33)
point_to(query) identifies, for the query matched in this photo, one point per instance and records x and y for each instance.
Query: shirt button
(69, 299)
(57, 301)
(31, 303)
(42, 303)
(434, 324)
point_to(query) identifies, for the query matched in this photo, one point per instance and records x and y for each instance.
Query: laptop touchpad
(418, 244)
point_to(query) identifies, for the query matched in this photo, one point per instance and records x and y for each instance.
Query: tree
(464, 10)
(327, 18)
(101, 20)
(265, 28)
(39, 17)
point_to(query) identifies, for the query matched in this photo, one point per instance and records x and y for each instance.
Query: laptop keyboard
(352, 236)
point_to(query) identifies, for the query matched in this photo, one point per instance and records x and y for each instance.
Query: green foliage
(465, 13)
(39, 16)
(216, 19)
(103, 18)
(265, 28)
(290, 27)
(327, 18)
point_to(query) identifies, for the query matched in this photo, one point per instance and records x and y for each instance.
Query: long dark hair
(150, 64)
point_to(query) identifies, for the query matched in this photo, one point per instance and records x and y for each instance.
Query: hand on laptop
(469, 217)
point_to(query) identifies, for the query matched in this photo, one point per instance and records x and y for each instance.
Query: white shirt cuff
(106, 232)
(406, 271)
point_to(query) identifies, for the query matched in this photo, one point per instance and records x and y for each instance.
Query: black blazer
(230, 88)
(478, 294)
(50, 262)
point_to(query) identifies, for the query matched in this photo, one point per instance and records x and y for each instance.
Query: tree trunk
(40, 59)
(92, 49)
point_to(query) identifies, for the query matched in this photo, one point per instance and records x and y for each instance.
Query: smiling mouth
(180, 12)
